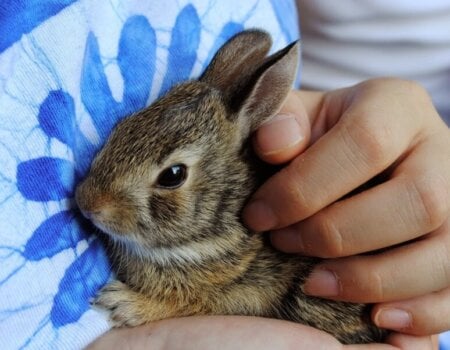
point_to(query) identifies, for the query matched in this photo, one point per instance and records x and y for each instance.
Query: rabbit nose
(100, 214)
(92, 204)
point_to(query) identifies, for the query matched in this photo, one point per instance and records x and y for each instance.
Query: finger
(414, 202)
(284, 136)
(424, 315)
(387, 276)
(219, 332)
(360, 224)
(372, 346)
(233, 332)
(357, 148)
(409, 342)
(435, 341)
(124, 338)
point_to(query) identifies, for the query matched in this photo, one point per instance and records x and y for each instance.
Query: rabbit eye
(172, 177)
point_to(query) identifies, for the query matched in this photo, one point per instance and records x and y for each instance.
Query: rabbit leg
(128, 308)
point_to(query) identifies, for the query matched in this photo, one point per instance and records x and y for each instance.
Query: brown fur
(185, 251)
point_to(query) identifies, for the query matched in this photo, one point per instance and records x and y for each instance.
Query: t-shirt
(69, 70)
(347, 41)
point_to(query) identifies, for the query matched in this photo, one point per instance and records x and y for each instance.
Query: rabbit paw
(122, 304)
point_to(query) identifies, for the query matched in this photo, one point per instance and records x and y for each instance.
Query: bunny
(168, 189)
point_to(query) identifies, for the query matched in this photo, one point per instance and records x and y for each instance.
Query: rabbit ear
(253, 86)
(266, 91)
(236, 62)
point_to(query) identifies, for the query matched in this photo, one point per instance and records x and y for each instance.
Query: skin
(237, 332)
(347, 137)
(398, 134)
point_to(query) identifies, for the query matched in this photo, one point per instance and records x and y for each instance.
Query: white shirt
(347, 41)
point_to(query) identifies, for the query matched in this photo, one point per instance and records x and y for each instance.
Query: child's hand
(234, 332)
(383, 128)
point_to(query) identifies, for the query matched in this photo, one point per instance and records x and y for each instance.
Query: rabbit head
(179, 170)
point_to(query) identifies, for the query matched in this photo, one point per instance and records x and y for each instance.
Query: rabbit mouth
(109, 228)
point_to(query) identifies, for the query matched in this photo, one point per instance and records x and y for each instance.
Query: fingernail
(259, 216)
(393, 318)
(322, 283)
(288, 240)
(280, 133)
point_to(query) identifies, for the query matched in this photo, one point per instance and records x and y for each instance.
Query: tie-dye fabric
(444, 341)
(69, 70)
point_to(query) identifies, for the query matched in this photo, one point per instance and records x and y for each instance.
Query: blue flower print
(18, 17)
(183, 47)
(47, 179)
(73, 116)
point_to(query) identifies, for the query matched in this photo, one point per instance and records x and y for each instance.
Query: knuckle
(375, 287)
(430, 193)
(399, 85)
(425, 322)
(413, 91)
(410, 86)
(443, 265)
(413, 88)
(370, 141)
(300, 195)
(364, 281)
(332, 241)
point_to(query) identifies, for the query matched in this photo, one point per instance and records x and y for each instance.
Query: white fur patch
(181, 254)
(190, 253)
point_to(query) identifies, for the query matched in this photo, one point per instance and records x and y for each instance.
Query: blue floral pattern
(69, 70)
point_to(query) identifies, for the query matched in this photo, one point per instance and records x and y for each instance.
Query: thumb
(287, 134)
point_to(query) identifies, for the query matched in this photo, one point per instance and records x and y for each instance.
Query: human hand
(237, 332)
(382, 128)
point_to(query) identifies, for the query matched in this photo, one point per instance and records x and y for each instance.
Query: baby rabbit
(168, 189)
